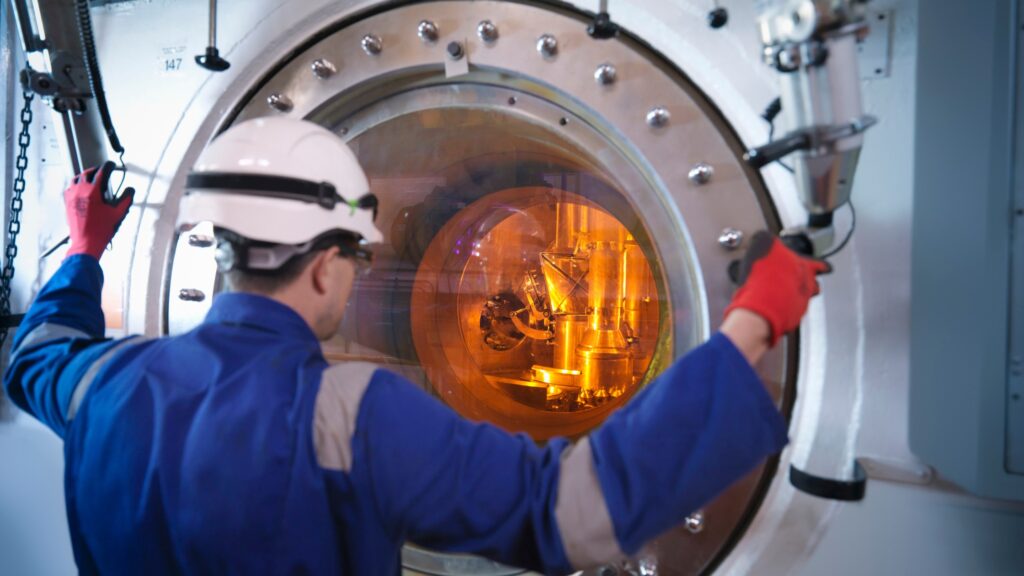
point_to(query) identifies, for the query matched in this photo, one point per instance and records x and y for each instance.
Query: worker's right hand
(776, 283)
(93, 217)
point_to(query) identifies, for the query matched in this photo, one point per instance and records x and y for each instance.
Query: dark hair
(270, 281)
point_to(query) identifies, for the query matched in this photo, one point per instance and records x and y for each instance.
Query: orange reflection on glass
(533, 302)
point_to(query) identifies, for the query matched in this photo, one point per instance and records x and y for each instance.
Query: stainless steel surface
(323, 69)
(658, 117)
(280, 102)
(213, 23)
(487, 31)
(701, 173)
(371, 44)
(813, 45)
(605, 74)
(547, 45)
(730, 238)
(875, 51)
(427, 31)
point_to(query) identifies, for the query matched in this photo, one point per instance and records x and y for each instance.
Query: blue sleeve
(445, 483)
(59, 339)
(703, 424)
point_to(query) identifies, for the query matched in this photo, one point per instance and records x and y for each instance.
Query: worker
(236, 448)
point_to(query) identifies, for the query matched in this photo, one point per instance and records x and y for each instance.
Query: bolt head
(372, 44)
(701, 173)
(730, 238)
(658, 117)
(695, 522)
(427, 31)
(323, 69)
(487, 31)
(191, 295)
(455, 50)
(280, 102)
(547, 45)
(605, 74)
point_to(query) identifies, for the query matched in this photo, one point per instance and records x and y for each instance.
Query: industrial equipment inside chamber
(514, 272)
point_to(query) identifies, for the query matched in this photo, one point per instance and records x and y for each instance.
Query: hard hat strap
(283, 187)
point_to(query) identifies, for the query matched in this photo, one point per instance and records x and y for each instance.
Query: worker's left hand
(776, 284)
(93, 214)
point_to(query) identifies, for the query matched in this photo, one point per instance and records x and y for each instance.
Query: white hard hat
(280, 181)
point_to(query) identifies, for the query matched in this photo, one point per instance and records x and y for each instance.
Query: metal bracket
(875, 50)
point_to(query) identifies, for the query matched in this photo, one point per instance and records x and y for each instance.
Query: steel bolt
(605, 74)
(695, 522)
(323, 69)
(372, 45)
(701, 173)
(658, 117)
(200, 240)
(455, 50)
(730, 238)
(191, 295)
(487, 31)
(280, 102)
(427, 31)
(547, 45)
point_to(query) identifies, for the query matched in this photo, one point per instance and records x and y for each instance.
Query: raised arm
(60, 343)
(433, 478)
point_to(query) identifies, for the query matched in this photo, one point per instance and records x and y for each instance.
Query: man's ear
(320, 269)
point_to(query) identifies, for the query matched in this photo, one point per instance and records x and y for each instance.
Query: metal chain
(14, 227)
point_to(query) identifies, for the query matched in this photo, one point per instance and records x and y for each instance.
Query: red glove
(776, 284)
(93, 214)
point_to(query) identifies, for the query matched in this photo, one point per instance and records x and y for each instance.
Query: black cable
(769, 114)
(92, 68)
(849, 234)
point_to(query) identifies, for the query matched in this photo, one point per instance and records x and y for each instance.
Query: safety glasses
(361, 257)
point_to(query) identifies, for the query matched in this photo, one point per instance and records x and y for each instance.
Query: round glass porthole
(516, 272)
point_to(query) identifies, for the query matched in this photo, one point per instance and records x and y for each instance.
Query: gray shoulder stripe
(90, 375)
(44, 333)
(334, 416)
(581, 511)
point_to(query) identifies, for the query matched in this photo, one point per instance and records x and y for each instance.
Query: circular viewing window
(515, 271)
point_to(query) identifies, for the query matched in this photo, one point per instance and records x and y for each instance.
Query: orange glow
(535, 309)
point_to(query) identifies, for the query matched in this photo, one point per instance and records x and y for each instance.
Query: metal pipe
(29, 39)
(84, 130)
(213, 23)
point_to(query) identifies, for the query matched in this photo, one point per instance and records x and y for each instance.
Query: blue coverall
(237, 449)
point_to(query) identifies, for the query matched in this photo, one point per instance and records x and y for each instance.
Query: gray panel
(960, 310)
(1015, 381)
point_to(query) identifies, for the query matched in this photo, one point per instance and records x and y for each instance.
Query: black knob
(212, 60)
(718, 17)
